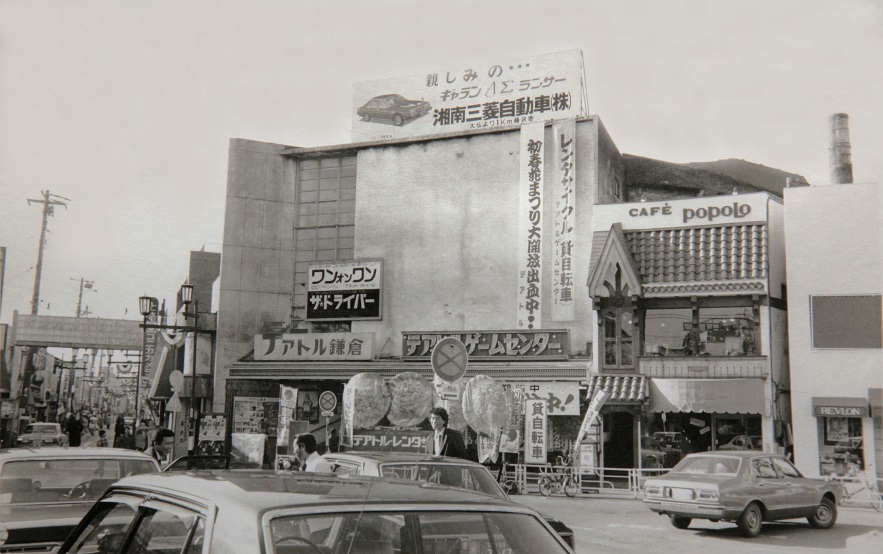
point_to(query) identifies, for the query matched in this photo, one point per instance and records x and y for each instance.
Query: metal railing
(625, 482)
(861, 490)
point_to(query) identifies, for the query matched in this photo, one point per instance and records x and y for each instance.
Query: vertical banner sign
(592, 411)
(535, 432)
(564, 208)
(530, 227)
(287, 407)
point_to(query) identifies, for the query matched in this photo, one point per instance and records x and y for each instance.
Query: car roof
(383, 457)
(260, 490)
(734, 454)
(7, 454)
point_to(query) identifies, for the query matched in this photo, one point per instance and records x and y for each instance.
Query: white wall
(834, 239)
(443, 216)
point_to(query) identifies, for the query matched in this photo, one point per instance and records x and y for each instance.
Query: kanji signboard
(344, 291)
(492, 345)
(315, 346)
(501, 93)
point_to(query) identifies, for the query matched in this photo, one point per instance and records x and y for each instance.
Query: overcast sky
(126, 108)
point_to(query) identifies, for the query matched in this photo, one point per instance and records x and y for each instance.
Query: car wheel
(366, 117)
(825, 516)
(398, 119)
(545, 486)
(751, 521)
(680, 522)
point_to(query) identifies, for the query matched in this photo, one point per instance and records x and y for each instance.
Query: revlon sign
(841, 411)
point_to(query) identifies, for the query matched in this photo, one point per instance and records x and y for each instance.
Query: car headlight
(708, 495)
(4, 534)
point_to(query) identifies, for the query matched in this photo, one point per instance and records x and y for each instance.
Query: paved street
(619, 525)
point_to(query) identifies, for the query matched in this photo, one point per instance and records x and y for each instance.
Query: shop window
(705, 332)
(840, 445)
(847, 321)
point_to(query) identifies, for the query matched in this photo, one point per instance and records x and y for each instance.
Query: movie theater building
(359, 257)
(834, 236)
(688, 300)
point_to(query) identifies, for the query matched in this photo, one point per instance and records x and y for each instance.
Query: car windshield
(452, 475)
(41, 428)
(409, 532)
(708, 465)
(64, 480)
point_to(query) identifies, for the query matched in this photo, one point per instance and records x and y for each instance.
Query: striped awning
(622, 388)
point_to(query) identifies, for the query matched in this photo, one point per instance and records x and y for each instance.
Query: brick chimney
(841, 150)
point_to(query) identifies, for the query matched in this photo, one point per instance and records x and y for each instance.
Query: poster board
(211, 434)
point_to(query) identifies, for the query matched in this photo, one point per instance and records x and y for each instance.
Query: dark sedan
(262, 511)
(45, 491)
(393, 107)
(742, 486)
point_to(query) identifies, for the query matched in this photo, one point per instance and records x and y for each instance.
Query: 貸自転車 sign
(493, 345)
(344, 291)
(471, 97)
(564, 210)
(315, 347)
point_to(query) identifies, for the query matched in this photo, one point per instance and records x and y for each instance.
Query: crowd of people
(147, 437)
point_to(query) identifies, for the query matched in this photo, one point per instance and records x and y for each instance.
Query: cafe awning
(734, 396)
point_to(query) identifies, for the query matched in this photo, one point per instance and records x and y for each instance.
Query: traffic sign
(327, 402)
(449, 359)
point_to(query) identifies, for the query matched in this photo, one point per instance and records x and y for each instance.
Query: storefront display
(671, 436)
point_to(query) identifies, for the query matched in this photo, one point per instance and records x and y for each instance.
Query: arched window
(617, 326)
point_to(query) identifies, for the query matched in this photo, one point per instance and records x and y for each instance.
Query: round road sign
(449, 359)
(327, 401)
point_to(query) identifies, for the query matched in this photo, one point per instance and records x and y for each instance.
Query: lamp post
(186, 299)
(145, 305)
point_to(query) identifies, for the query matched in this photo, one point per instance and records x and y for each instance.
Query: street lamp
(145, 304)
(186, 299)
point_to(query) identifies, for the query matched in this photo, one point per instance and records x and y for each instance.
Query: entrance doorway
(619, 440)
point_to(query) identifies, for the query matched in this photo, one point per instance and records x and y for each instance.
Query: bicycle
(556, 481)
(867, 492)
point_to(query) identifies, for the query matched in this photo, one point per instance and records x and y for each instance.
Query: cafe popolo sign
(471, 96)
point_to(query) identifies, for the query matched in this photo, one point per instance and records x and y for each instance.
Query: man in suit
(444, 441)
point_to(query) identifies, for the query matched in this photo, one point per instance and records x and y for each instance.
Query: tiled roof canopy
(733, 252)
(622, 388)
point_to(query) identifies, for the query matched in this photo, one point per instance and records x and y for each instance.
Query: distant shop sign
(314, 347)
(472, 96)
(492, 345)
(345, 291)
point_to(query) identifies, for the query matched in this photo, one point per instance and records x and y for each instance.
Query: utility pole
(83, 284)
(49, 204)
(2, 273)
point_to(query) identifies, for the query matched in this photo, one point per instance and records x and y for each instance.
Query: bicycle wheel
(876, 499)
(571, 487)
(545, 485)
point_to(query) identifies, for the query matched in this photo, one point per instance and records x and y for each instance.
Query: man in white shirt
(309, 458)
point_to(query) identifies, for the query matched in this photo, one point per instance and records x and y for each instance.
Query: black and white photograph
(252, 222)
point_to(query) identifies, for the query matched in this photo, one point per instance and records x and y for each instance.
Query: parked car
(45, 491)
(393, 107)
(38, 434)
(300, 513)
(743, 442)
(442, 470)
(199, 461)
(655, 453)
(742, 486)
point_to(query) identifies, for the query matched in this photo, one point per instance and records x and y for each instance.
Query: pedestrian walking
(74, 430)
(163, 443)
(309, 458)
(444, 442)
(125, 440)
(102, 438)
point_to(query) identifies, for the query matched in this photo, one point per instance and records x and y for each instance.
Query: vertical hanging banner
(592, 412)
(287, 407)
(530, 226)
(535, 432)
(564, 209)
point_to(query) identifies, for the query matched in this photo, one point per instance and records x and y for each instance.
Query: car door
(803, 494)
(771, 489)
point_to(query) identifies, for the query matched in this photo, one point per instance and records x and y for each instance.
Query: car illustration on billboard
(393, 108)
